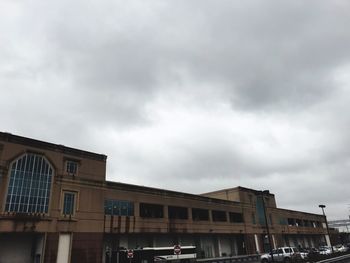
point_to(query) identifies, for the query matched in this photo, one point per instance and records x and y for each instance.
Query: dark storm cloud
(193, 95)
(273, 56)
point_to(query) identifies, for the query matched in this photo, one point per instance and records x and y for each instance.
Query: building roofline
(8, 137)
(164, 192)
(295, 211)
(237, 188)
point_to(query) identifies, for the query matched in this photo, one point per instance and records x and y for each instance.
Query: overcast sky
(188, 95)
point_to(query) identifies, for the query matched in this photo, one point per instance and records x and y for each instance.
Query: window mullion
(31, 183)
(21, 189)
(46, 197)
(14, 171)
(39, 180)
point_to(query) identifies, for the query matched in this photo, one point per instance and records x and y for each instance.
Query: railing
(344, 258)
(245, 258)
(23, 216)
(337, 257)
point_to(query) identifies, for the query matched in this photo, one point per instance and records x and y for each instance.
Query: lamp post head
(322, 206)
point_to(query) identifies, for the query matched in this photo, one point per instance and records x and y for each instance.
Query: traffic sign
(130, 253)
(177, 249)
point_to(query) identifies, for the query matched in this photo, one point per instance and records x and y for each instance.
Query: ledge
(65, 219)
(24, 217)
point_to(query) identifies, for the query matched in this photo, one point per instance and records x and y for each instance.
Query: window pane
(151, 210)
(108, 207)
(123, 208)
(200, 214)
(116, 207)
(72, 167)
(236, 217)
(131, 209)
(68, 203)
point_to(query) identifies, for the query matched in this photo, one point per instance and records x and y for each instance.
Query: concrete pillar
(210, 216)
(328, 241)
(235, 247)
(312, 242)
(257, 243)
(189, 212)
(274, 241)
(137, 209)
(166, 213)
(64, 248)
(219, 246)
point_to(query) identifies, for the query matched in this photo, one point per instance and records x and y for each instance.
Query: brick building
(56, 206)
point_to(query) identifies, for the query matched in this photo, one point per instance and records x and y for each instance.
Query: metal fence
(339, 259)
(245, 258)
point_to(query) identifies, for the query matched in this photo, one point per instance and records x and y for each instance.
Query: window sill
(67, 219)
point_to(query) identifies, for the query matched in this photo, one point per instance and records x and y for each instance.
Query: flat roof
(238, 188)
(296, 211)
(163, 192)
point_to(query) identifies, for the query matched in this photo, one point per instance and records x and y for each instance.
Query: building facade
(342, 231)
(56, 206)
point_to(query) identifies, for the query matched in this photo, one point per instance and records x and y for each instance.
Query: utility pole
(325, 219)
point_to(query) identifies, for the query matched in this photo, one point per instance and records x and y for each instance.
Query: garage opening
(29, 245)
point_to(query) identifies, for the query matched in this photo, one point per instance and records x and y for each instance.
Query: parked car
(313, 251)
(313, 255)
(324, 250)
(304, 253)
(281, 254)
(340, 248)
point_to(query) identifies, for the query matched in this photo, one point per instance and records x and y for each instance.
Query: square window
(71, 167)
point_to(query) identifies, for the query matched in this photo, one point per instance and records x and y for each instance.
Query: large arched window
(30, 185)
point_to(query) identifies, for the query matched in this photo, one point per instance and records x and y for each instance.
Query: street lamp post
(266, 223)
(325, 219)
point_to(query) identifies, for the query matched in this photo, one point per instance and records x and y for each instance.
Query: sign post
(130, 254)
(177, 250)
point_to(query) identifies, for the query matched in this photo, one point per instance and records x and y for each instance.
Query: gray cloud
(191, 96)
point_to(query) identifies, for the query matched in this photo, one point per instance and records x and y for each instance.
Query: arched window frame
(31, 200)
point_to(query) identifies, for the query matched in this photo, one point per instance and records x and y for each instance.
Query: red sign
(130, 253)
(177, 249)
